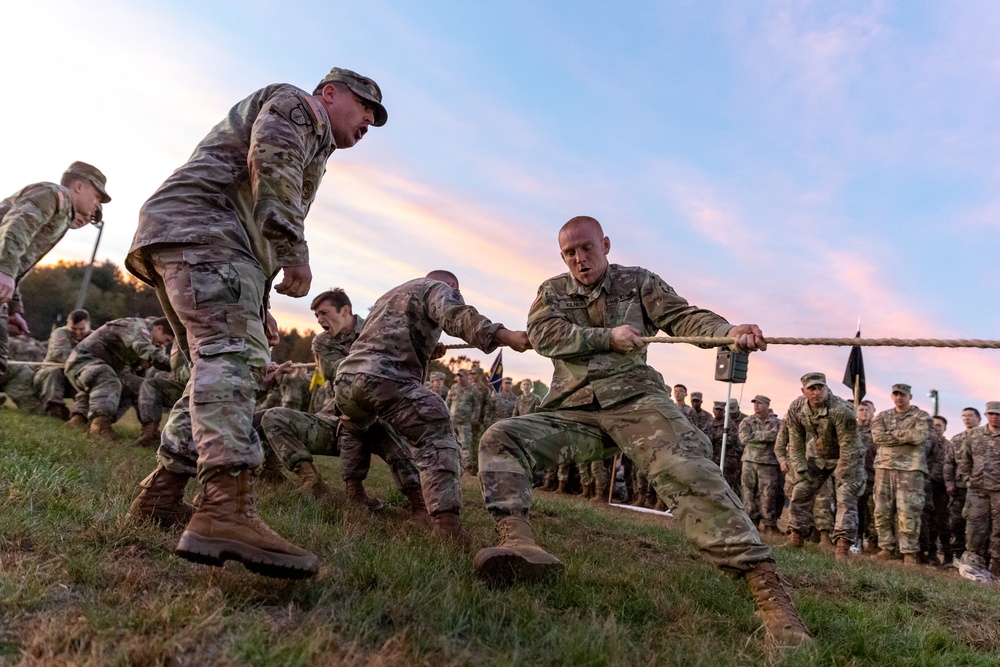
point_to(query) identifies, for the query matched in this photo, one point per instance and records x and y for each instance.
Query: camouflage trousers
(415, 413)
(214, 300)
(468, 447)
(825, 507)
(649, 429)
(299, 436)
(594, 473)
(155, 394)
(761, 492)
(934, 521)
(956, 520)
(19, 387)
(982, 523)
(866, 515)
(100, 390)
(4, 341)
(899, 504)
(560, 473)
(807, 488)
(51, 386)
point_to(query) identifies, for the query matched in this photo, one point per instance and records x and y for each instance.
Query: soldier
(680, 397)
(383, 377)
(50, 381)
(934, 521)
(32, 221)
(700, 418)
(294, 388)
(96, 364)
(761, 474)
(900, 467)
(501, 405)
(603, 395)
(732, 468)
(955, 484)
(211, 240)
(463, 402)
(980, 465)
(833, 425)
(18, 386)
(437, 384)
(528, 401)
(158, 391)
(866, 505)
(481, 386)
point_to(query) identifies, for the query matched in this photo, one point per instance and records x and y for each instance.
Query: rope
(840, 342)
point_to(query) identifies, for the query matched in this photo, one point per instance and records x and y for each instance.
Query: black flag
(856, 368)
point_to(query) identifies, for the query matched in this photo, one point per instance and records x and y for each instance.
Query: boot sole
(509, 568)
(216, 551)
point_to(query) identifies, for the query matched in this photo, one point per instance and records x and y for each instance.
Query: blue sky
(794, 164)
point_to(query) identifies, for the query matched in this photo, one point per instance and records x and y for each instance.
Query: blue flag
(496, 372)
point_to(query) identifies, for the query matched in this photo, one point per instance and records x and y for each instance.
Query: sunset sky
(794, 164)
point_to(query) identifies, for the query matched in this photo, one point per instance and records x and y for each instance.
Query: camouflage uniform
(980, 465)
(838, 453)
(900, 468)
(761, 474)
(701, 419)
(734, 451)
(210, 240)
(18, 385)
(479, 417)
(954, 451)
(866, 506)
(526, 404)
(294, 389)
(501, 406)
(383, 377)
(50, 382)
(934, 521)
(601, 400)
(162, 391)
(463, 403)
(97, 364)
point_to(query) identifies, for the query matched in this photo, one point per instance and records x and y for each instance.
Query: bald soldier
(32, 221)
(211, 240)
(604, 397)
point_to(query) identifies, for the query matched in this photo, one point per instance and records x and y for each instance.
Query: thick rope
(709, 341)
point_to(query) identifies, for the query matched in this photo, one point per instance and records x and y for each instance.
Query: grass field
(81, 584)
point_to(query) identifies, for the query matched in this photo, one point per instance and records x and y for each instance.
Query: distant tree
(293, 346)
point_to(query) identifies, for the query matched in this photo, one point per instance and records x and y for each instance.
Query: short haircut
(69, 179)
(869, 404)
(681, 386)
(164, 324)
(945, 420)
(442, 275)
(77, 316)
(336, 296)
(976, 412)
(581, 220)
(339, 85)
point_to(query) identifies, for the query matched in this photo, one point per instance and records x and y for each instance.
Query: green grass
(81, 584)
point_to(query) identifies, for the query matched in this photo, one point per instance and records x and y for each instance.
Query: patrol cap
(761, 398)
(719, 405)
(901, 388)
(993, 406)
(696, 396)
(92, 175)
(361, 86)
(734, 404)
(813, 379)
(437, 375)
(462, 371)
(511, 380)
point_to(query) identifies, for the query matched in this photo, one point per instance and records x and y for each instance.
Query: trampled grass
(81, 584)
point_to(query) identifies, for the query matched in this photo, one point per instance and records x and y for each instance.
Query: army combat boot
(448, 526)
(58, 410)
(150, 436)
(843, 549)
(100, 428)
(357, 496)
(273, 470)
(162, 498)
(775, 608)
(563, 486)
(311, 480)
(226, 526)
(517, 558)
(418, 511)
(78, 422)
(600, 495)
(796, 540)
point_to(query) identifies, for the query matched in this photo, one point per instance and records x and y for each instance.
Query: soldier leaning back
(210, 241)
(604, 396)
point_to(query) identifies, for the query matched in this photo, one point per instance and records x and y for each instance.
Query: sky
(799, 165)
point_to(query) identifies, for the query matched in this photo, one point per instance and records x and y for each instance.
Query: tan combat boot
(418, 511)
(911, 559)
(796, 540)
(358, 497)
(600, 495)
(588, 490)
(775, 608)
(57, 410)
(660, 506)
(311, 480)
(517, 558)
(273, 470)
(843, 549)
(448, 526)
(824, 539)
(640, 500)
(887, 554)
(100, 428)
(563, 487)
(162, 498)
(150, 436)
(78, 421)
(226, 526)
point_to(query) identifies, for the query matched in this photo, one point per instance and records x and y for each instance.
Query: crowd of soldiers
(212, 242)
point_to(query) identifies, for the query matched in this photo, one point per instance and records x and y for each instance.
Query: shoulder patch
(61, 199)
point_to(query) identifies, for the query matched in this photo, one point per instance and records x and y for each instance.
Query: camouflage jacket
(686, 410)
(180, 369)
(61, 343)
(834, 428)
(757, 437)
(294, 391)
(501, 406)
(463, 403)
(781, 442)
(32, 221)
(701, 419)
(329, 351)
(954, 450)
(526, 404)
(934, 453)
(404, 326)
(865, 433)
(121, 344)
(248, 185)
(571, 324)
(734, 448)
(900, 439)
(980, 460)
